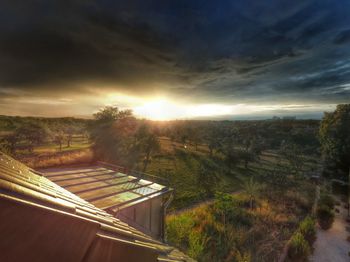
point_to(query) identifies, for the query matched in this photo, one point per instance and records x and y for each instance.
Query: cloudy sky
(174, 59)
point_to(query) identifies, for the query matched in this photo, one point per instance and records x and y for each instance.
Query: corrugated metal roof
(41, 221)
(104, 186)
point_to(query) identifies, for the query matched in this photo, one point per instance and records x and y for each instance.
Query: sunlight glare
(159, 109)
(164, 108)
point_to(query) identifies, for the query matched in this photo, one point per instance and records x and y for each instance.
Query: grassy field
(70, 157)
(257, 234)
(180, 165)
(177, 163)
(49, 154)
(228, 230)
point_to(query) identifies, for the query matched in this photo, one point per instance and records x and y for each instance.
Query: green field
(49, 147)
(180, 165)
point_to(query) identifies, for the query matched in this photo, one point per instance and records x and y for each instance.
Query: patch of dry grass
(263, 239)
(59, 159)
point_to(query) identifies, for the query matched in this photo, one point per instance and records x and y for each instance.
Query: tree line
(29, 132)
(120, 138)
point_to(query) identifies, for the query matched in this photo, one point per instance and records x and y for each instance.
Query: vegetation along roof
(42, 221)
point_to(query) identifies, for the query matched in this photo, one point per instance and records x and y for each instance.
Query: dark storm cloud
(51, 45)
(226, 51)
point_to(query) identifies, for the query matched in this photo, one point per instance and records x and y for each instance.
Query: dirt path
(331, 245)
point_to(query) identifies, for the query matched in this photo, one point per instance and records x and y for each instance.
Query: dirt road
(331, 245)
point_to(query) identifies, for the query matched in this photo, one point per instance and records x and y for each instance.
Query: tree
(69, 131)
(246, 155)
(213, 140)
(113, 134)
(59, 139)
(227, 148)
(109, 114)
(207, 177)
(256, 147)
(33, 134)
(148, 142)
(294, 155)
(334, 135)
(194, 136)
(251, 188)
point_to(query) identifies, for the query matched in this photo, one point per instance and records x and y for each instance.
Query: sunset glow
(163, 108)
(158, 110)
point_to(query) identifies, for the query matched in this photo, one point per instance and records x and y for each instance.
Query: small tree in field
(33, 134)
(148, 143)
(69, 131)
(194, 136)
(246, 156)
(207, 177)
(59, 139)
(252, 189)
(293, 154)
(213, 140)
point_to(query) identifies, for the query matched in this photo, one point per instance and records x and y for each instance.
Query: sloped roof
(104, 186)
(41, 221)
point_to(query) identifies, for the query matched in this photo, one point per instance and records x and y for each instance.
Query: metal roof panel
(41, 221)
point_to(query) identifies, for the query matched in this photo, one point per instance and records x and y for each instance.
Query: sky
(174, 59)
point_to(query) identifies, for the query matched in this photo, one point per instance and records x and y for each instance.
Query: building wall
(147, 216)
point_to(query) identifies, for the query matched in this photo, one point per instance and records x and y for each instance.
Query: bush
(325, 217)
(227, 208)
(308, 230)
(178, 229)
(327, 200)
(299, 248)
(197, 244)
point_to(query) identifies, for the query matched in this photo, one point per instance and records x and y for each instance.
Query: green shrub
(325, 217)
(308, 230)
(197, 243)
(178, 229)
(227, 208)
(299, 248)
(326, 200)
